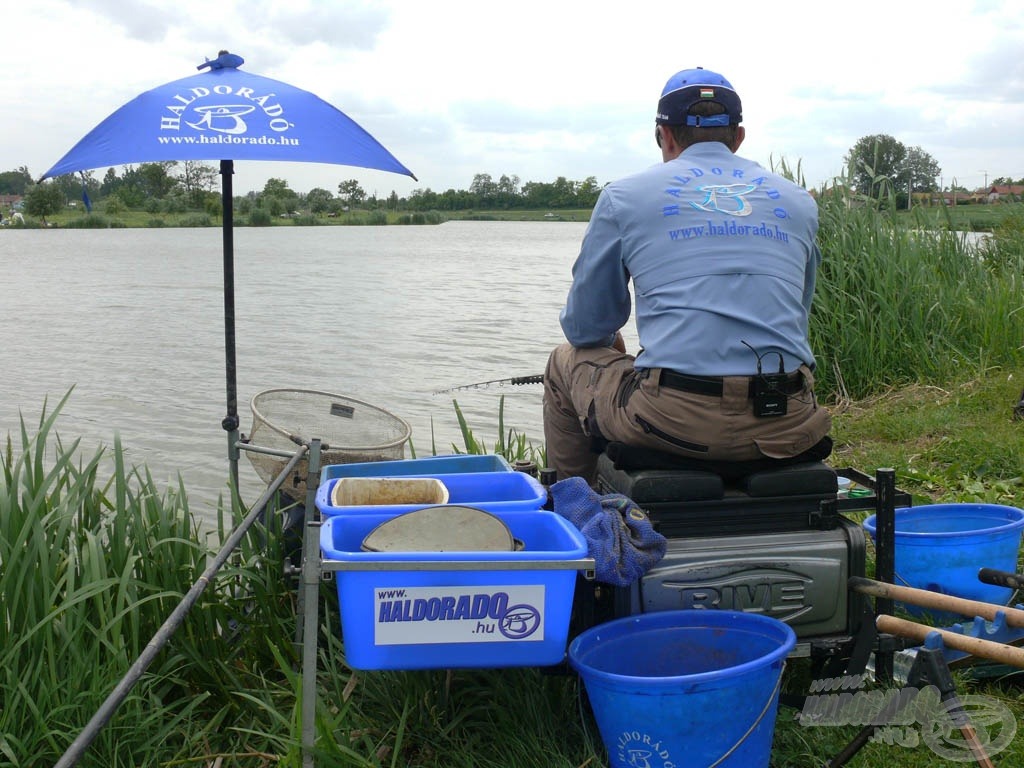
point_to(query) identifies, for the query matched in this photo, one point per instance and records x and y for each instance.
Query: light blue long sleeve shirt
(723, 261)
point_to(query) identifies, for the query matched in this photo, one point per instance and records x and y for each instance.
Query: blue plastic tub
(941, 548)
(490, 491)
(685, 688)
(436, 610)
(439, 464)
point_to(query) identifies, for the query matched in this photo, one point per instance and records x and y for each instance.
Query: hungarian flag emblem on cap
(707, 93)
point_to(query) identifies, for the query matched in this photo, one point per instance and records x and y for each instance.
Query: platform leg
(308, 607)
(885, 556)
(929, 668)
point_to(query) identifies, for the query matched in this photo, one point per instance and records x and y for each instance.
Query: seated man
(723, 261)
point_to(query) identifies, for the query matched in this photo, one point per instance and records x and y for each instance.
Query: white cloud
(541, 89)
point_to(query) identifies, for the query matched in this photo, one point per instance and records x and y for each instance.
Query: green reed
(510, 443)
(903, 300)
(90, 569)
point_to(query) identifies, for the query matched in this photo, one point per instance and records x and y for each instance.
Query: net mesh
(350, 431)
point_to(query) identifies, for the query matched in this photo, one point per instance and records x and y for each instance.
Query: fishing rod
(513, 380)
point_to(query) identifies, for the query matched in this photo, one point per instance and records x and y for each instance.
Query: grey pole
(309, 604)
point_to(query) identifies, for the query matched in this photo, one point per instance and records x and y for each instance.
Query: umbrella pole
(230, 423)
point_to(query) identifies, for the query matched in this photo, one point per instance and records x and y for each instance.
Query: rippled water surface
(133, 319)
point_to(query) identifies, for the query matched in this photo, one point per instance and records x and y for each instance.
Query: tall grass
(900, 301)
(511, 443)
(90, 569)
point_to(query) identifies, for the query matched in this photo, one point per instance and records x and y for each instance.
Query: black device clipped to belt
(769, 393)
(769, 399)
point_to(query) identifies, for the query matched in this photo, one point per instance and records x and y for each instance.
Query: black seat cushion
(762, 477)
(807, 479)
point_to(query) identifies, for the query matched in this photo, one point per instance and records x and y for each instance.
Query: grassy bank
(921, 367)
(91, 566)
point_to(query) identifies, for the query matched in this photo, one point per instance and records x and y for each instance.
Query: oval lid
(444, 528)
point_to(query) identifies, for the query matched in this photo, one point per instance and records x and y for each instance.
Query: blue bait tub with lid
(452, 609)
(490, 491)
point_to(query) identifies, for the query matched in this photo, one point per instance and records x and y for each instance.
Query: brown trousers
(595, 394)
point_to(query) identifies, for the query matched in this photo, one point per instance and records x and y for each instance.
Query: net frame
(375, 434)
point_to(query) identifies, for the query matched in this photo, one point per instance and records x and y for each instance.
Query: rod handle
(1004, 654)
(1001, 578)
(936, 601)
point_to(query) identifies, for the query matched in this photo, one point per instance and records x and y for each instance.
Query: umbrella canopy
(225, 114)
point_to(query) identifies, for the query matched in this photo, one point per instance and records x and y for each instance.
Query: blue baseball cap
(691, 86)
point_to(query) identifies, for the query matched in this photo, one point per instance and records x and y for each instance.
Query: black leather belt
(712, 385)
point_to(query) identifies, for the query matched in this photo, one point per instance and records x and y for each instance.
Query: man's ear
(741, 134)
(669, 148)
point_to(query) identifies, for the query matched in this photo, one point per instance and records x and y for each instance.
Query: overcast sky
(540, 90)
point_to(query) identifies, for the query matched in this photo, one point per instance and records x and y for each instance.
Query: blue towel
(619, 535)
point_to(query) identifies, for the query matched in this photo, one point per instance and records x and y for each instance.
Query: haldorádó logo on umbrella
(219, 114)
(225, 113)
(224, 123)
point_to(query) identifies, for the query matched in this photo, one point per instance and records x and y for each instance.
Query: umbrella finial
(224, 60)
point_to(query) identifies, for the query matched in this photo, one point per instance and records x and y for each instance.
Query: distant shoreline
(965, 218)
(78, 219)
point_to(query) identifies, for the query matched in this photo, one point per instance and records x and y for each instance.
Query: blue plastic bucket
(685, 688)
(941, 548)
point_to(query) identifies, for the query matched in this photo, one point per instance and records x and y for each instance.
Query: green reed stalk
(900, 301)
(89, 571)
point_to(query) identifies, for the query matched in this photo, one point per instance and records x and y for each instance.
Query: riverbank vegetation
(184, 194)
(977, 218)
(919, 341)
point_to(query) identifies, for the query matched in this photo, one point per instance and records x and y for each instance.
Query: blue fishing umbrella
(226, 114)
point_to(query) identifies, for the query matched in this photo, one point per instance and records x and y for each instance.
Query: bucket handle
(757, 721)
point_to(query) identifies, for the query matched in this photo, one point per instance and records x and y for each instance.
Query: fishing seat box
(765, 544)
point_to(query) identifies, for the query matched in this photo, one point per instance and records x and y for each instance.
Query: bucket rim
(705, 619)
(870, 526)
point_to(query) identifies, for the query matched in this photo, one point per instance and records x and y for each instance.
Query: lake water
(133, 319)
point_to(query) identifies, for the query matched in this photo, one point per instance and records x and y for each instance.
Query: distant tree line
(878, 166)
(508, 194)
(177, 187)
